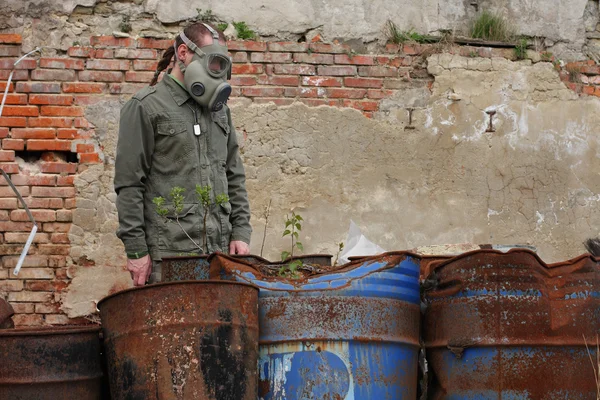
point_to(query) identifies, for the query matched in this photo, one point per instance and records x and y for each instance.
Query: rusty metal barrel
(50, 363)
(182, 340)
(509, 326)
(349, 334)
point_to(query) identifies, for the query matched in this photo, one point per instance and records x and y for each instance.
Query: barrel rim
(173, 283)
(50, 330)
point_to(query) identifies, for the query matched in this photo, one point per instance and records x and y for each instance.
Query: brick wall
(44, 126)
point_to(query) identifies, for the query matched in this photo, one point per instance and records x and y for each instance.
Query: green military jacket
(158, 150)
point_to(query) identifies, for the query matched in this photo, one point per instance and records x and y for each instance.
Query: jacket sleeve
(132, 165)
(238, 197)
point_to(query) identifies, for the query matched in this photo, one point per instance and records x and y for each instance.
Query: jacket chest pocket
(219, 135)
(173, 142)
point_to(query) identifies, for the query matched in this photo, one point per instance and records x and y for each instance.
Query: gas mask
(205, 78)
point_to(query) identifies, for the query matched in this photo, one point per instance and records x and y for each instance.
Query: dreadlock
(198, 33)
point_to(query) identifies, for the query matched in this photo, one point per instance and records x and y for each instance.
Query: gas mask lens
(218, 65)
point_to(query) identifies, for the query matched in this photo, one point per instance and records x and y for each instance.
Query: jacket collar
(179, 94)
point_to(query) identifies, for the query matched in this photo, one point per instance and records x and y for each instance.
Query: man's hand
(140, 269)
(239, 247)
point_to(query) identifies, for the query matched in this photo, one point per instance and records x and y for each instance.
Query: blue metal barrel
(350, 334)
(508, 326)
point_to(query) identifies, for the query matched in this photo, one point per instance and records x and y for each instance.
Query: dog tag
(197, 130)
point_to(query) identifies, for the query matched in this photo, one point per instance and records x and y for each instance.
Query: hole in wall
(51, 156)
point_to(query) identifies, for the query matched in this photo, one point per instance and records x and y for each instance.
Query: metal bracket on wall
(410, 125)
(490, 127)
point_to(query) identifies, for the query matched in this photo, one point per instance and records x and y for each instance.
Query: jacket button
(172, 131)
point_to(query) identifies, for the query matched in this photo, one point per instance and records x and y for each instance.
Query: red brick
(4, 133)
(78, 87)
(304, 92)
(377, 94)
(109, 65)
(378, 71)
(86, 100)
(137, 54)
(45, 122)
(131, 76)
(338, 70)
(13, 144)
(89, 158)
(590, 70)
(145, 65)
(15, 99)
(104, 53)
(238, 45)
(313, 58)
(321, 81)
(146, 43)
(49, 145)
(53, 75)
(111, 41)
(51, 99)
(58, 168)
(329, 48)
(239, 57)
(4, 216)
(7, 155)
(8, 63)
(70, 204)
(36, 273)
(40, 286)
(20, 111)
(271, 57)
(59, 238)
(23, 308)
(412, 49)
(62, 63)
(60, 111)
(278, 80)
(68, 134)
(363, 82)
(292, 47)
(365, 105)
(126, 88)
(82, 52)
(50, 308)
(18, 75)
(38, 215)
(21, 237)
(247, 69)
(276, 100)
(38, 87)
(262, 91)
(355, 60)
(10, 168)
(53, 227)
(62, 273)
(15, 226)
(3, 87)
(100, 76)
(58, 249)
(10, 51)
(33, 133)
(28, 319)
(13, 121)
(43, 202)
(85, 148)
(11, 286)
(295, 69)
(64, 216)
(82, 123)
(11, 38)
(243, 80)
(8, 204)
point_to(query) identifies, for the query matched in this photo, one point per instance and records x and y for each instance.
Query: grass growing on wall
(397, 36)
(491, 27)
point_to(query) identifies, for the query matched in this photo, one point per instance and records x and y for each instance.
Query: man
(178, 134)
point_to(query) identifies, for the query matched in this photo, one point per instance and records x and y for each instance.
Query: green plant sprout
(222, 26)
(489, 26)
(243, 32)
(292, 229)
(397, 36)
(206, 16)
(521, 49)
(177, 200)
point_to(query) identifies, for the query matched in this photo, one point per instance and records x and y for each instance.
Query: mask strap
(214, 33)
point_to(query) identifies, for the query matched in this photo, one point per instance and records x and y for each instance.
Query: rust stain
(182, 340)
(514, 324)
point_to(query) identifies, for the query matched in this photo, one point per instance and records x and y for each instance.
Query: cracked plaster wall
(562, 24)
